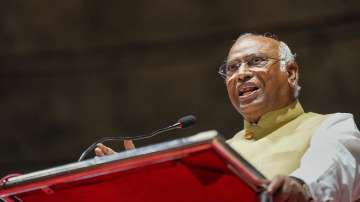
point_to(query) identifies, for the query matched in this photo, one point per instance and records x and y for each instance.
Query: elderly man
(307, 156)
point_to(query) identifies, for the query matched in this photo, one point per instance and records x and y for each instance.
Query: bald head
(283, 49)
(248, 43)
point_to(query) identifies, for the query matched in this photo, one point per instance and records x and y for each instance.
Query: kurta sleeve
(330, 166)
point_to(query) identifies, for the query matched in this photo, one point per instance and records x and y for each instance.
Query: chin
(252, 109)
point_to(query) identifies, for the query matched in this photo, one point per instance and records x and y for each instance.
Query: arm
(330, 167)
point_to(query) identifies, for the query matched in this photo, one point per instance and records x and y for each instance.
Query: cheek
(231, 89)
(262, 77)
(272, 82)
(269, 76)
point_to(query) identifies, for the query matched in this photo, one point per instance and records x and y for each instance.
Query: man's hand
(284, 188)
(102, 150)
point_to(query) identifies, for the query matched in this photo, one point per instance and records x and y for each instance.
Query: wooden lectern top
(197, 168)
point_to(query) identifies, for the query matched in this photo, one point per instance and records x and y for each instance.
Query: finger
(128, 144)
(265, 183)
(275, 184)
(286, 190)
(298, 193)
(295, 196)
(98, 152)
(291, 191)
(106, 150)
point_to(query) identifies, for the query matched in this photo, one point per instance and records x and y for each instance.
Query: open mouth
(248, 90)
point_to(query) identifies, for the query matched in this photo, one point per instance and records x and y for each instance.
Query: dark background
(73, 71)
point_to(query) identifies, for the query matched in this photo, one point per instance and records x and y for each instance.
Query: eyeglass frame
(223, 68)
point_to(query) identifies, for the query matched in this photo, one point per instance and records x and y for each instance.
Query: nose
(243, 73)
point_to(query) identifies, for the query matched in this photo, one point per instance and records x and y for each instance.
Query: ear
(292, 70)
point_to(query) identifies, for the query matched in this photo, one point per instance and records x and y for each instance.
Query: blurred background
(74, 71)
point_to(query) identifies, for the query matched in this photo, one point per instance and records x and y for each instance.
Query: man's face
(254, 91)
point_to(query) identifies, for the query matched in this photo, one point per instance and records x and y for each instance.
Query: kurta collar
(272, 121)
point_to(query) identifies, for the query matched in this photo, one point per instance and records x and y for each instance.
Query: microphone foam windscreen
(187, 121)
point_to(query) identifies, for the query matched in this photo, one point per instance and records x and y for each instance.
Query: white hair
(286, 57)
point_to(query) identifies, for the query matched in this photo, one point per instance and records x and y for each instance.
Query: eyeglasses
(252, 61)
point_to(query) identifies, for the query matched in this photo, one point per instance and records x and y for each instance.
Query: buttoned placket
(249, 133)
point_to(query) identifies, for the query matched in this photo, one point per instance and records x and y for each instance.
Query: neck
(254, 118)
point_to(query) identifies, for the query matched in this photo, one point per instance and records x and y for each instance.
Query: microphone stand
(138, 137)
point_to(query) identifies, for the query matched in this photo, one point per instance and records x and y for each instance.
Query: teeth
(247, 90)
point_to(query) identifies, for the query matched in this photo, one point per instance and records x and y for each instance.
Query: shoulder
(339, 121)
(338, 126)
(310, 119)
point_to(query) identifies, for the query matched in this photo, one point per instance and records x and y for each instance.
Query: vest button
(249, 135)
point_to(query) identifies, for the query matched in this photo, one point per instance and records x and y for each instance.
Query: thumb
(128, 144)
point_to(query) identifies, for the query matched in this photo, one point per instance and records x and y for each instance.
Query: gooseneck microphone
(183, 122)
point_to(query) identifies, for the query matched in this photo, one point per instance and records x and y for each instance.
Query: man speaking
(307, 156)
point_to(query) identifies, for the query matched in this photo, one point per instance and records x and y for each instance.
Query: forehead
(254, 45)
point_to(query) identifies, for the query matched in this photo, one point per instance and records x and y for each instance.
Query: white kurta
(331, 164)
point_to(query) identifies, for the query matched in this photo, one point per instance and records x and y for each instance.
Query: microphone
(183, 122)
(187, 121)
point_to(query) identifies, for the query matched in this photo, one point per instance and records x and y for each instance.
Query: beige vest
(277, 142)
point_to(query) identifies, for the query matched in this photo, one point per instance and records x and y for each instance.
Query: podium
(199, 168)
